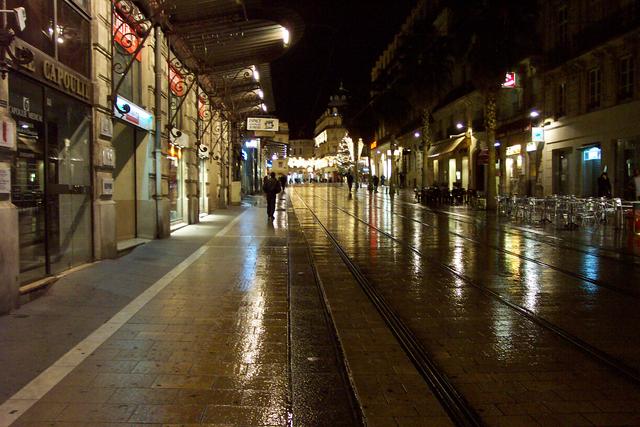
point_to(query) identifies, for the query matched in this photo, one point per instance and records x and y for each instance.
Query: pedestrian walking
(349, 181)
(271, 188)
(376, 181)
(283, 183)
(604, 185)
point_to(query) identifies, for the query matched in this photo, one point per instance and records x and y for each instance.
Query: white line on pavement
(20, 402)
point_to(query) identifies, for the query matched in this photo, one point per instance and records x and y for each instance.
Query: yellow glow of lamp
(172, 151)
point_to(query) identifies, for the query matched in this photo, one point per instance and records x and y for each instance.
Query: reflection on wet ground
(455, 284)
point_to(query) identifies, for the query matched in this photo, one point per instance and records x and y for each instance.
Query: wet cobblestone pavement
(346, 310)
(524, 343)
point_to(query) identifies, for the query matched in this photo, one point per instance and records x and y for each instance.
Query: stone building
(115, 135)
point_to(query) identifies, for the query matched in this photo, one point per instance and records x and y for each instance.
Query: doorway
(124, 181)
(51, 179)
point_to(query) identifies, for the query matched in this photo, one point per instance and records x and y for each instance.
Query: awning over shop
(445, 147)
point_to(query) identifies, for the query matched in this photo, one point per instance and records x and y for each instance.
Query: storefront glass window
(83, 4)
(130, 87)
(175, 189)
(40, 25)
(27, 176)
(69, 181)
(73, 39)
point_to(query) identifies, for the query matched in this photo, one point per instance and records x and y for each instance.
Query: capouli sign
(67, 81)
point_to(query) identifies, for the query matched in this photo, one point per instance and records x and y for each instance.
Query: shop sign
(136, 116)
(510, 81)
(176, 82)
(514, 150)
(66, 80)
(24, 109)
(106, 127)
(202, 107)
(537, 134)
(374, 145)
(532, 146)
(107, 186)
(593, 153)
(5, 178)
(252, 143)
(263, 123)
(8, 133)
(126, 36)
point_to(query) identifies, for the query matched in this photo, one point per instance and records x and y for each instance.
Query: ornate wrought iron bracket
(21, 56)
(182, 77)
(132, 29)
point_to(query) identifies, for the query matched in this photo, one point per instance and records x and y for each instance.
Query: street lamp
(20, 56)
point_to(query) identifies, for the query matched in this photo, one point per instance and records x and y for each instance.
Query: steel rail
(567, 272)
(601, 252)
(616, 365)
(456, 406)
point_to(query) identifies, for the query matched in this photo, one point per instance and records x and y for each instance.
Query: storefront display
(176, 180)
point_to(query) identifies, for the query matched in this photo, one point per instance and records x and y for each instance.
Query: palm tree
(492, 36)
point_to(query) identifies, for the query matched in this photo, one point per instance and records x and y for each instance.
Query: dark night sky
(342, 40)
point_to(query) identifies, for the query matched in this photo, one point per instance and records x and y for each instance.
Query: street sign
(263, 124)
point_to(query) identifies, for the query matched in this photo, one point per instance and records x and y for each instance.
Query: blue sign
(594, 153)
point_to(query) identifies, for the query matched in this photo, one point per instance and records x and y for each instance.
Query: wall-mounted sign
(202, 107)
(514, 150)
(537, 134)
(136, 116)
(321, 138)
(107, 186)
(593, 153)
(176, 82)
(125, 36)
(252, 143)
(108, 157)
(510, 80)
(8, 133)
(532, 146)
(5, 178)
(106, 127)
(263, 123)
(66, 80)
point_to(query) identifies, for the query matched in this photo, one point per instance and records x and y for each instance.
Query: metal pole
(158, 135)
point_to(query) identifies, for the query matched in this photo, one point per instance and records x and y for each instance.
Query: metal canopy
(224, 41)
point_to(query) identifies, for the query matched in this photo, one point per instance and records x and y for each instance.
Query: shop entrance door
(68, 128)
(124, 186)
(51, 179)
(591, 164)
(28, 184)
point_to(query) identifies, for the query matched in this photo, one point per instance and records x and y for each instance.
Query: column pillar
(9, 244)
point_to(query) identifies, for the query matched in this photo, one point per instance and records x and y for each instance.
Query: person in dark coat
(376, 181)
(283, 182)
(349, 181)
(604, 185)
(271, 188)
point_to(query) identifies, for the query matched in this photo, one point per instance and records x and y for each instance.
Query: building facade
(564, 115)
(109, 143)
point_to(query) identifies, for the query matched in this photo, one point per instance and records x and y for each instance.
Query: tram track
(458, 409)
(567, 272)
(614, 364)
(629, 259)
